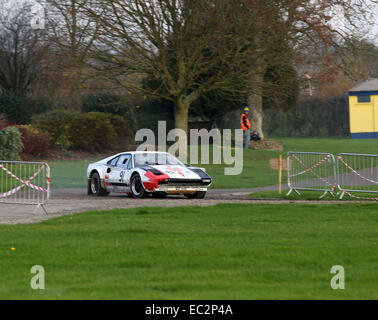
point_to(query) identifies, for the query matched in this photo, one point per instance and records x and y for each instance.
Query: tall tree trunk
(256, 105)
(181, 122)
(182, 114)
(182, 117)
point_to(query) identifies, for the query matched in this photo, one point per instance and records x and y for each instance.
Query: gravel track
(72, 201)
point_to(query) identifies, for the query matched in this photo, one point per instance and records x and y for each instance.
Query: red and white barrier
(349, 173)
(311, 171)
(24, 183)
(357, 173)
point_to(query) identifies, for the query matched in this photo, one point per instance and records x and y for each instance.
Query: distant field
(69, 174)
(222, 252)
(256, 173)
(331, 145)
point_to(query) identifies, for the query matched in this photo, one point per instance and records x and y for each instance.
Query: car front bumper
(180, 189)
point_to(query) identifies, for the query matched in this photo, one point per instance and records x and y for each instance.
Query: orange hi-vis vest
(244, 122)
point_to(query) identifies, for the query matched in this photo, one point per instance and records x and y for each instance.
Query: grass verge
(221, 252)
(311, 195)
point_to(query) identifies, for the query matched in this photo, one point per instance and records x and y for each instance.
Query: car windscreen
(142, 159)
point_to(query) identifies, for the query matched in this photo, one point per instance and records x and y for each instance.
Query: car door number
(122, 175)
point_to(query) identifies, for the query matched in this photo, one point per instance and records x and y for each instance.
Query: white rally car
(140, 174)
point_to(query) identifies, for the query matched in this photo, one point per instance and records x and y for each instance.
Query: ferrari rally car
(140, 174)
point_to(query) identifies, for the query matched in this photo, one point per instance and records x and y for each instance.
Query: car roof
(140, 152)
(133, 153)
(129, 152)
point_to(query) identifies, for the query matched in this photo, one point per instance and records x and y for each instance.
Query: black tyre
(95, 187)
(196, 195)
(136, 187)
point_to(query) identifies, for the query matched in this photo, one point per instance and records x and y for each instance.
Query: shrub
(36, 142)
(118, 123)
(95, 131)
(10, 144)
(56, 123)
(20, 109)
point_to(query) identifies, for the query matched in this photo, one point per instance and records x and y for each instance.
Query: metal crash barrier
(26, 183)
(346, 173)
(311, 171)
(357, 173)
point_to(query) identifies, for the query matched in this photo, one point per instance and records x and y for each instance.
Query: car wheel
(96, 188)
(196, 195)
(136, 187)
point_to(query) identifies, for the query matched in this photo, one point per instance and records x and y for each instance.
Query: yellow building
(363, 110)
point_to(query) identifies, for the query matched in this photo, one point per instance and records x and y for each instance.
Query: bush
(10, 144)
(56, 123)
(19, 110)
(36, 142)
(96, 131)
(119, 124)
(111, 103)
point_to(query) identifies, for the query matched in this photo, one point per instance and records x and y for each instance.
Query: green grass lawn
(331, 145)
(256, 173)
(222, 252)
(69, 174)
(310, 195)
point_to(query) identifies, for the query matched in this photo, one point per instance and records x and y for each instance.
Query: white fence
(25, 183)
(346, 173)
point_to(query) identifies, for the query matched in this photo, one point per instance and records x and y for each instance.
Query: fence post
(280, 176)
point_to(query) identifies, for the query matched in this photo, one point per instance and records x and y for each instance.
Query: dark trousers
(246, 138)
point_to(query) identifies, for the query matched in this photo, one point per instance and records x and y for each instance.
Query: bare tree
(310, 34)
(71, 35)
(21, 51)
(195, 47)
(191, 47)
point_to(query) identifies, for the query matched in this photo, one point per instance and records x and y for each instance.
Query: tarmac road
(211, 194)
(72, 201)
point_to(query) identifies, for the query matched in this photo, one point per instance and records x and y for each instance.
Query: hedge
(36, 142)
(19, 110)
(96, 131)
(57, 124)
(10, 144)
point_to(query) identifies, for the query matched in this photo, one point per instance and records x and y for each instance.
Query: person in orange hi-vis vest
(246, 127)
